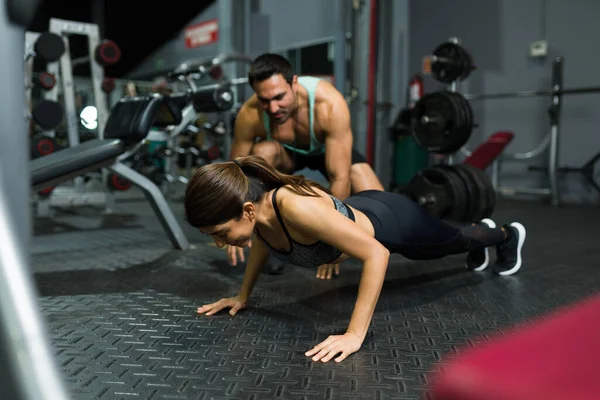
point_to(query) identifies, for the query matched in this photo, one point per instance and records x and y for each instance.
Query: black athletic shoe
(509, 253)
(479, 259)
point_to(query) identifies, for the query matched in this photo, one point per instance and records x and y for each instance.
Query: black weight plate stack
(432, 189)
(487, 189)
(460, 193)
(477, 204)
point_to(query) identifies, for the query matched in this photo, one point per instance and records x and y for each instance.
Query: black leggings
(406, 228)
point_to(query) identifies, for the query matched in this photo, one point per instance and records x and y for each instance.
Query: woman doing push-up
(301, 223)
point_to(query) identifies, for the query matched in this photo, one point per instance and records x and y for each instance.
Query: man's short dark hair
(267, 65)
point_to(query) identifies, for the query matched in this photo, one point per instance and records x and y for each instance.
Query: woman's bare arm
(316, 219)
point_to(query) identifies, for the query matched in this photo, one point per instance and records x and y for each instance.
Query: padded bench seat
(74, 161)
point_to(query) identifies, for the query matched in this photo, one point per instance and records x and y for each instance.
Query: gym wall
(258, 26)
(314, 22)
(498, 34)
(174, 52)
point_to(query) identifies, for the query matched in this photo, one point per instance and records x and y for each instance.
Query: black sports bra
(307, 255)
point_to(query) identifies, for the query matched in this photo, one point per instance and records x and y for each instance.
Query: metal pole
(557, 83)
(340, 62)
(29, 370)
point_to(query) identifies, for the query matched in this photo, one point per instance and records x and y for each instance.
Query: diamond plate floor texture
(119, 306)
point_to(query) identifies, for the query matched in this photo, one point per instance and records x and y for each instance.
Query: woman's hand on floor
(326, 271)
(345, 344)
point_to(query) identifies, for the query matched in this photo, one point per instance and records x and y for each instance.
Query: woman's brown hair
(217, 192)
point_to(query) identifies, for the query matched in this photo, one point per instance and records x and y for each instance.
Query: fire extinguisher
(416, 90)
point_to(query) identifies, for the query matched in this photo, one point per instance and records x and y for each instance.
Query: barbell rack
(550, 142)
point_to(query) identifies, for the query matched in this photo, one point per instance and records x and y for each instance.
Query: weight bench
(487, 152)
(128, 124)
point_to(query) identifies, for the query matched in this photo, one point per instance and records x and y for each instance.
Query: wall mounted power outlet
(538, 49)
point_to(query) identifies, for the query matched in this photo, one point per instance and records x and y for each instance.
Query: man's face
(277, 97)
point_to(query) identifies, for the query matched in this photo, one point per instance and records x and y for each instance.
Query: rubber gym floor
(120, 305)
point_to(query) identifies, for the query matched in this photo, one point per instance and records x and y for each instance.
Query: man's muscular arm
(338, 145)
(244, 132)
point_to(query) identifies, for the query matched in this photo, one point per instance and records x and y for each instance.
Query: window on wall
(293, 58)
(316, 60)
(312, 60)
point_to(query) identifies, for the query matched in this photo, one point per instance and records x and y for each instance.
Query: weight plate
(488, 189)
(478, 202)
(467, 65)
(47, 114)
(49, 46)
(463, 132)
(445, 68)
(460, 207)
(431, 188)
(442, 122)
(115, 182)
(433, 122)
(461, 119)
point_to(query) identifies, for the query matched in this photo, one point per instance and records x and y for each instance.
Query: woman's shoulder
(289, 200)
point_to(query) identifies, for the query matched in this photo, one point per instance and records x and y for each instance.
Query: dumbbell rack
(77, 195)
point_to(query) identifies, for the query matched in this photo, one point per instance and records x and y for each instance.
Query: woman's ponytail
(270, 178)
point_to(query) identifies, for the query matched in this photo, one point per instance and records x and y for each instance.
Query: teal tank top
(316, 147)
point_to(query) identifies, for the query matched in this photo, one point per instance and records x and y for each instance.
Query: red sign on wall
(202, 34)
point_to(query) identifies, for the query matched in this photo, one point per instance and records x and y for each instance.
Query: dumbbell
(47, 114)
(116, 183)
(49, 47)
(45, 81)
(108, 85)
(107, 53)
(40, 146)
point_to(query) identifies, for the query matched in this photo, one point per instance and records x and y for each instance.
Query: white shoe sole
(486, 263)
(522, 234)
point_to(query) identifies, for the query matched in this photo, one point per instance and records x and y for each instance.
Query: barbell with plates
(450, 61)
(460, 193)
(441, 122)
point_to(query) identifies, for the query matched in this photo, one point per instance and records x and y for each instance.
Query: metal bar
(340, 60)
(29, 370)
(30, 39)
(66, 71)
(533, 153)
(97, 72)
(159, 204)
(532, 191)
(532, 93)
(80, 61)
(510, 95)
(557, 82)
(232, 82)
(195, 66)
(495, 173)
